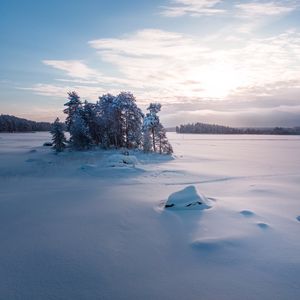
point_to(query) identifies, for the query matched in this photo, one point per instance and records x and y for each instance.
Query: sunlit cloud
(262, 9)
(178, 8)
(170, 66)
(176, 68)
(183, 66)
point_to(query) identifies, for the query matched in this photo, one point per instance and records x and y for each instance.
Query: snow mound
(187, 199)
(119, 160)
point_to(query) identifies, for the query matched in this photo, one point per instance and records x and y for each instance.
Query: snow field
(85, 225)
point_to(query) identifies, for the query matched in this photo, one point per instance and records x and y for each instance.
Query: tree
(121, 120)
(58, 136)
(163, 144)
(129, 117)
(92, 120)
(153, 130)
(147, 142)
(74, 105)
(80, 138)
(108, 120)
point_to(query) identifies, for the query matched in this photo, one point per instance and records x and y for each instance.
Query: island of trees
(202, 128)
(111, 122)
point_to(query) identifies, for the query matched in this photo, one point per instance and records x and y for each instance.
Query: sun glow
(218, 80)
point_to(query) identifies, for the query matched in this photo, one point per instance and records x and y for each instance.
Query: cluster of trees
(111, 122)
(206, 128)
(218, 129)
(14, 124)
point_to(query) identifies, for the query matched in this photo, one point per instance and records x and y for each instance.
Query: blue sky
(228, 62)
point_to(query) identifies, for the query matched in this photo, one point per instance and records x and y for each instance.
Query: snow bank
(187, 199)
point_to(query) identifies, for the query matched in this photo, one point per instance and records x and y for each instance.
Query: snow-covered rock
(187, 199)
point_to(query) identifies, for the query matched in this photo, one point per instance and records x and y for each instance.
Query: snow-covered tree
(147, 139)
(129, 118)
(151, 122)
(154, 134)
(122, 120)
(90, 115)
(58, 136)
(115, 121)
(74, 105)
(108, 120)
(80, 138)
(164, 146)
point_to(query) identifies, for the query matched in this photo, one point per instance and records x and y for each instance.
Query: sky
(233, 63)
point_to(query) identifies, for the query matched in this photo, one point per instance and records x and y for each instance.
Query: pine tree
(130, 118)
(154, 132)
(108, 120)
(80, 138)
(163, 144)
(90, 115)
(58, 136)
(147, 142)
(74, 105)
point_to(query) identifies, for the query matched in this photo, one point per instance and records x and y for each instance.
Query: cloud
(177, 65)
(154, 59)
(74, 68)
(186, 71)
(52, 90)
(178, 8)
(262, 9)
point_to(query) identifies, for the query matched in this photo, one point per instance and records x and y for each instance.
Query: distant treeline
(218, 129)
(14, 124)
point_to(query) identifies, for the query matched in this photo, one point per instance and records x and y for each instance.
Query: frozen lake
(77, 226)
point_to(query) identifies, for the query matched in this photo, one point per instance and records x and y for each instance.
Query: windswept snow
(73, 226)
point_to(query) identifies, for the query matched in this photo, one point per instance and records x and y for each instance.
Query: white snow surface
(72, 226)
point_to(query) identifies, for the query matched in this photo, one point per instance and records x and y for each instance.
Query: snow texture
(74, 227)
(121, 160)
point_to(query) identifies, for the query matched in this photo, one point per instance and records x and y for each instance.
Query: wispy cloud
(58, 91)
(74, 68)
(262, 9)
(178, 8)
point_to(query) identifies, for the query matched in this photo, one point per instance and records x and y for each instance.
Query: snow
(121, 160)
(187, 199)
(72, 226)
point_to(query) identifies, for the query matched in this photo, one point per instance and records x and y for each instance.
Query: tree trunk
(153, 140)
